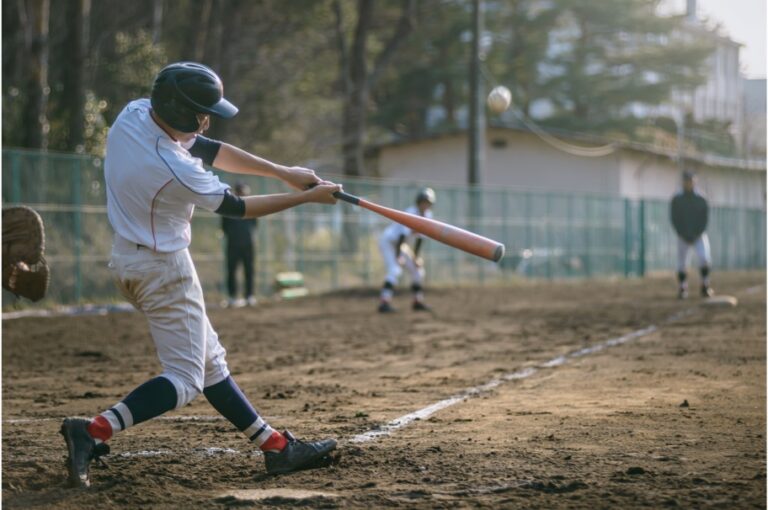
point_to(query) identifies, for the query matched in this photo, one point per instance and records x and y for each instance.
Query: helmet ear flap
(177, 114)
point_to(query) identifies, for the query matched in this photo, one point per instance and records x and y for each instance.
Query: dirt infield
(673, 418)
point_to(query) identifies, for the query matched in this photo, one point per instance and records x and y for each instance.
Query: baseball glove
(25, 272)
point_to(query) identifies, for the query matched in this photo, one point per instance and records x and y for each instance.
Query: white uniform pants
(394, 269)
(166, 288)
(700, 246)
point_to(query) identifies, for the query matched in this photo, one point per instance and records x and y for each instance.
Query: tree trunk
(79, 14)
(356, 93)
(223, 56)
(202, 30)
(36, 38)
(354, 130)
(357, 82)
(157, 20)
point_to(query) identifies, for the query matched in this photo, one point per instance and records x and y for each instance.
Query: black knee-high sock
(227, 398)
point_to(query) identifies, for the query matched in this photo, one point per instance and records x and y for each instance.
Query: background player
(239, 250)
(690, 213)
(155, 178)
(396, 252)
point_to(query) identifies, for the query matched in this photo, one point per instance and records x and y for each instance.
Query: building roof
(594, 140)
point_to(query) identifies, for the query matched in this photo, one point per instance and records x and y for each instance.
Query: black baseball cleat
(419, 306)
(706, 291)
(81, 450)
(386, 307)
(298, 455)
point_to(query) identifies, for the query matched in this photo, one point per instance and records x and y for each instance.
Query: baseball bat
(437, 230)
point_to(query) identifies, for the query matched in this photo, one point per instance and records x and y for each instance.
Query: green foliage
(594, 62)
(429, 70)
(521, 31)
(128, 69)
(607, 57)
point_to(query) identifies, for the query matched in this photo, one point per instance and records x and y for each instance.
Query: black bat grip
(346, 197)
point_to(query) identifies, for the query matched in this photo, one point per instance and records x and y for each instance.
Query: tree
(356, 79)
(521, 32)
(426, 84)
(34, 21)
(78, 24)
(608, 58)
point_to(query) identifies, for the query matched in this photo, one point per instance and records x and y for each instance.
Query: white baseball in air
(499, 99)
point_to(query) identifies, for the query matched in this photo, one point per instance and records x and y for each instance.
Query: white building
(519, 159)
(721, 96)
(754, 135)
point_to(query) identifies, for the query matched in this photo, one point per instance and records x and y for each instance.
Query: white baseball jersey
(393, 232)
(153, 183)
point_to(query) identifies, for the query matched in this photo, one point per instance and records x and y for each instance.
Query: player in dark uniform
(239, 250)
(689, 212)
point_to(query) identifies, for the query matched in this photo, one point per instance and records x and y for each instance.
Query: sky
(744, 21)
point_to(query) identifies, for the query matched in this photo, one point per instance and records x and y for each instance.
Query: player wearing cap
(397, 253)
(689, 212)
(155, 178)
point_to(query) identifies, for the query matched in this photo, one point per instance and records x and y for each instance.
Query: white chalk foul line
(425, 412)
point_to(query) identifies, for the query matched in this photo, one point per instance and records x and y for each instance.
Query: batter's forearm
(237, 161)
(263, 205)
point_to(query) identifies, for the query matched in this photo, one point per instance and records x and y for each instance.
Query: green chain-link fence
(547, 235)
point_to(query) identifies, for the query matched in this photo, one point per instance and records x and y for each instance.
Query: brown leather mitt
(25, 272)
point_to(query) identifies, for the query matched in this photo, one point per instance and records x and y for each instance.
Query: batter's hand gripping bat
(437, 230)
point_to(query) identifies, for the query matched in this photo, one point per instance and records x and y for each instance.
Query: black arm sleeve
(232, 206)
(417, 246)
(205, 149)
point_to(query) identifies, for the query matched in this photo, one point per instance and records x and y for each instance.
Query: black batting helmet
(185, 89)
(426, 195)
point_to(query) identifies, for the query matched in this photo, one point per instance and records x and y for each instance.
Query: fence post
(588, 238)
(263, 247)
(299, 240)
(15, 178)
(78, 226)
(476, 222)
(569, 256)
(528, 232)
(367, 239)
(548, 226)
(627, 235)
(454, 254)
(504, 226)
(641, 248)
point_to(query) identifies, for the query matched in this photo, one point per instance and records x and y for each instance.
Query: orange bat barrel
(437, 230)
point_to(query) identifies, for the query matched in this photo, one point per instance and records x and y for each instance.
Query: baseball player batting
(397, 253)
(689, 212)
(155, 178)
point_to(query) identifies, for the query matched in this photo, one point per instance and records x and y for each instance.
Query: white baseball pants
(165, 287)
(700, 246)
(394, 269)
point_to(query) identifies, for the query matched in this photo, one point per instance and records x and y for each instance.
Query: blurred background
(611, 101)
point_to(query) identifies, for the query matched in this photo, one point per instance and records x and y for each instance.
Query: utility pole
(681, 139)
(476, 102)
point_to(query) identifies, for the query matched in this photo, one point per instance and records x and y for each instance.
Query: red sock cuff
(275, 442)
(99, 428)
